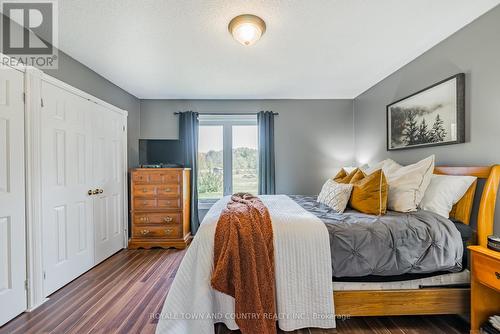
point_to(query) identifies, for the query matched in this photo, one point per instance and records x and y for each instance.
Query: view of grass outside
(210, 161)
(245, 159)
(210, 164)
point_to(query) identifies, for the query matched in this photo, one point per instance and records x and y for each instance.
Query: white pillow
(388, 166)
(444, 191)
(407, 184)
(335, 195)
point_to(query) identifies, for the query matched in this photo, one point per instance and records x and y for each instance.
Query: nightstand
(485, 285)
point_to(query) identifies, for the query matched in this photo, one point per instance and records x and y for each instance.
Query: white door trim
(33, 187)
(125, 184)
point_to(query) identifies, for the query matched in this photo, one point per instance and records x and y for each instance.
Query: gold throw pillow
(369, 193)
(340, 175)
(346, 178)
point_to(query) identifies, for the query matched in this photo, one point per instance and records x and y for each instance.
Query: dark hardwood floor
(121, 294)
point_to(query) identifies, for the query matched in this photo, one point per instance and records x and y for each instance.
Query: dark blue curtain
(265, 121)
(188, 130)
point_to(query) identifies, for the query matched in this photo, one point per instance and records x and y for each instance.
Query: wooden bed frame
(431, 300)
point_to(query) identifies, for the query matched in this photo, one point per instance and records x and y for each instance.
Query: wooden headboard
(463, 209)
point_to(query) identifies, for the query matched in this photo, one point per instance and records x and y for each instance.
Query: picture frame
(433, 116)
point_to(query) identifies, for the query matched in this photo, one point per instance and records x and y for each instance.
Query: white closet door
(12, 199)
(109, 177)
(68, 244)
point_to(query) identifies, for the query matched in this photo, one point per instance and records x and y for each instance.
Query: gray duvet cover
(394, 244)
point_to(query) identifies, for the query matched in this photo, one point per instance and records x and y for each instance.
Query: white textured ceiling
(311, 49)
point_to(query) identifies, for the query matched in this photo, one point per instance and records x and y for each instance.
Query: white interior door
(109, 178)
(67, 230)
(13, 299)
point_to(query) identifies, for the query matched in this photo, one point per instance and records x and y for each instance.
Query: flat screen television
(161, 151)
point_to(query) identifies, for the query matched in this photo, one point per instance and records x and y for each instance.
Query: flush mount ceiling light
(247, 28)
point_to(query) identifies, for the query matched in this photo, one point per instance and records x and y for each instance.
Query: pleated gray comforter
(394, 244)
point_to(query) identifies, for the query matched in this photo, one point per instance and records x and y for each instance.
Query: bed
(431, 300)
(438, 249)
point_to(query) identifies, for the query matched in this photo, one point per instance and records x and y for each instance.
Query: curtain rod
(222, 113)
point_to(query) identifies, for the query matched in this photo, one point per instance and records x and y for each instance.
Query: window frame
(227, 121)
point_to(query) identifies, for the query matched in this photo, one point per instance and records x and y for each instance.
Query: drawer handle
(145, 202)
(169, 230)
(497, 274)
(145, 190)
(167, 190)
(167, 219)
(145, 232)
(144, 219)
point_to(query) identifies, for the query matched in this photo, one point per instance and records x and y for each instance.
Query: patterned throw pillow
(335, 195)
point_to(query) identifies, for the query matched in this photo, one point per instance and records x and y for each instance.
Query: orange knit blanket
(244, 263)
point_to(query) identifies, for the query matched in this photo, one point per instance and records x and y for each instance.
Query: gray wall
(82, 77)
(312, 137)
(474, 50)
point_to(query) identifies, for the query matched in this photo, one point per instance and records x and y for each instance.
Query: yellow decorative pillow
(369, 193)
(340, 175)
(358, 175)
(348, 177)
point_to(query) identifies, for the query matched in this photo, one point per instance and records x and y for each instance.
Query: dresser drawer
(145, 190)
(173, 231)
(153, 190)
(143, 203)
(166, 177)
(169, 190)
(163, 218)
(174, 203)
(156, 177)
(154, 203)
(486, 270)
(140, 178)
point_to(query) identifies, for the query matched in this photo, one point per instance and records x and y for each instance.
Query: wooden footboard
(402, 302)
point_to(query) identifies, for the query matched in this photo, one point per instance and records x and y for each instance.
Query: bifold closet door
(108, 173)
(66, 150)
(12, 196)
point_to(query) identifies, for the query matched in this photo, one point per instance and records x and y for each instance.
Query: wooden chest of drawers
(160, 201)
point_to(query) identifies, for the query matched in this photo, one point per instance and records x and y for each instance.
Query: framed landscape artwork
(433, 116)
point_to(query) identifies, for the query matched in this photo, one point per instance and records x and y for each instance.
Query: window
(227, 155)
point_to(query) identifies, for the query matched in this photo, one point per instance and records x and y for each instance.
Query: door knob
(101, 191)
(95, 192)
